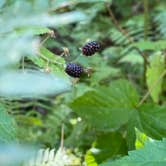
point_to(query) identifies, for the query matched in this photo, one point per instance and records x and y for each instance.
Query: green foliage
(8, 128)
(154, 73)
(152, 154)
(149, 45)
(102, 107)
(34, 31)
(39, 84)
(152, 120)
(106, 146)
(105, 113)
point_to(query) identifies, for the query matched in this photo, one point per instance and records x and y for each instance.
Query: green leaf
(134, 121)
(140, 139)
(152, 118)
(49, 60)
(34, 30)
(7, 126)
(151, 45)
(154, 71)
(132, 57)
(107, 108)
(106, 146)
(44, 51)
(31, 83)
(104, 72)
(153, 153)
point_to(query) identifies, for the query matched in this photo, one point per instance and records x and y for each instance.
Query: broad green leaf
(31, 83)
(153, 153)
(151, 45)
(106, 146)
(107, 108)
(154, 71)
(7, 126)
(152, 119)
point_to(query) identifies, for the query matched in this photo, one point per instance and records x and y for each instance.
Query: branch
(114, 20)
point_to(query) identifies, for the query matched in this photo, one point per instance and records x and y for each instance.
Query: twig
(153, 86)
(114, 20)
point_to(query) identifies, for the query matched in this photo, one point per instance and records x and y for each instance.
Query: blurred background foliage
(104, 115)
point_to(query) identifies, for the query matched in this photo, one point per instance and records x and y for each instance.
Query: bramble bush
(82, 82)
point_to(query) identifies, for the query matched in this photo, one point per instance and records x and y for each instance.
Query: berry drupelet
(74, 70)
(90, 48)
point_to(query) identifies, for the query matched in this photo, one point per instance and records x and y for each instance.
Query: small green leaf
(154, 71)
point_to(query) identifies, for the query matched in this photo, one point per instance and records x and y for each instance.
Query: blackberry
(74, 70)
(90, 48)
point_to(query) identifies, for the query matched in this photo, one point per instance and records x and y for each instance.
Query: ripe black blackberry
(74, 70)
(90, 48)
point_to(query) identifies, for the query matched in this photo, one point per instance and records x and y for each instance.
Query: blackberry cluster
(74, 70)
(90, 48)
